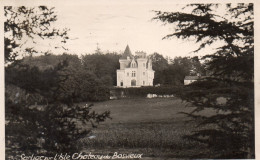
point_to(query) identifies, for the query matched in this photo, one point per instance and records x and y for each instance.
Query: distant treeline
(90, 77)
(173, 71)
(74, 78)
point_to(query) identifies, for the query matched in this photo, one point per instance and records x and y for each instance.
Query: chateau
(135, 71)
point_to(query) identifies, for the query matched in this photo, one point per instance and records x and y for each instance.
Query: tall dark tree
(104, 66)
(197, 66)
(173, 73)
(159, 64)
(230, 90)
(40, 117)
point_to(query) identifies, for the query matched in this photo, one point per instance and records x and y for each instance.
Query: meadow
(154, 127)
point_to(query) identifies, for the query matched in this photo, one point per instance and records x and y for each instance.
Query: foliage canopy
(41, 117)
(230, 132)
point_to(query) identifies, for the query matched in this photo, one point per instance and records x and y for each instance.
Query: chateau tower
(135, 71)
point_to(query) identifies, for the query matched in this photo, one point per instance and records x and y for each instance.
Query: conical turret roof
(127, 52)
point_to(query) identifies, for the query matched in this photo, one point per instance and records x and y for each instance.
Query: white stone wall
(150, 77)
(120, 77)
(187, 82)
(143, 76)
(142, 71)
(128, 78)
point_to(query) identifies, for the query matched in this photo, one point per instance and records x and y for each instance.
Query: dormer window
(133, 64)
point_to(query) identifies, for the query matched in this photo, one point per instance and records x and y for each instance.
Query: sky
(112, 26)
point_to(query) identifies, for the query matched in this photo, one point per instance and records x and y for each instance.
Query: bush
(143, 91)
(47, 129)
(41, 117)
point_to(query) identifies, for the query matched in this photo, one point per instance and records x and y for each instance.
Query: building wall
(142, 73)
(120, 75)
(150, 77)
(187, 82)
(143, 76)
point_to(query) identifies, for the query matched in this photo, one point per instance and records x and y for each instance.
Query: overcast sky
(114, 25)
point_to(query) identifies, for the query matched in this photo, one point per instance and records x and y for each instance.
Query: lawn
(152, 127)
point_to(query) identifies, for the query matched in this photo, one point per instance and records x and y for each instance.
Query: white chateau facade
(135, 71)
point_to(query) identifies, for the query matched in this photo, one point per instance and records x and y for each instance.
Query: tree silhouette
(40, 115)
(229, 90)
(29, 23)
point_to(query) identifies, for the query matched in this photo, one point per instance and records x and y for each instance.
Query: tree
(80, 85)
(230, 89)
(29, 23)
(104, 66)
(40, 117)
(173, 73)
(54, 124)
(197, 66)
(159, 64)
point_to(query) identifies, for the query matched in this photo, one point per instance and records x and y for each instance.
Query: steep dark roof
(126, 53)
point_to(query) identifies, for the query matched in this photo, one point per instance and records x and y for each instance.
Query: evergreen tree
(23, 24)
(41, 118)
(229, 90)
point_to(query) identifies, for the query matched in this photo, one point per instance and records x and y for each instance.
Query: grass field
(153, 127)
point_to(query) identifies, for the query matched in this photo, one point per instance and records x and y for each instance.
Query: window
(121, 84)
(143, 82)
(127, 74)
(143, 73)
(144, 64)
(133, 73)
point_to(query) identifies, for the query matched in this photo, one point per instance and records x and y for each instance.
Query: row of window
(133, 74)
(134, 65)
(133, 83)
